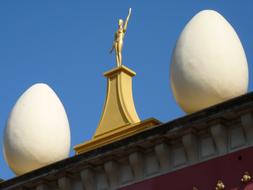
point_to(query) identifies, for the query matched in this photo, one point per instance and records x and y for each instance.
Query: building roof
(177, 134)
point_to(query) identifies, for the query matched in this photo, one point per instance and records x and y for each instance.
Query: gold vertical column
(119, 110)
(119, 118)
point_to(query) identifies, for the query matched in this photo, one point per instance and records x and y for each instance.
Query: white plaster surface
(208, 65)
(37, 132)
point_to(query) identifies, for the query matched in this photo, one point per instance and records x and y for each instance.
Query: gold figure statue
(118, 39)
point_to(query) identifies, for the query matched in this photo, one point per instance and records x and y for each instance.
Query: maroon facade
(204, 176)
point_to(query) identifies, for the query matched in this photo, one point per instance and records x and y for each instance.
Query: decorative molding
(190, 135)
(246, 177)
(220, 185)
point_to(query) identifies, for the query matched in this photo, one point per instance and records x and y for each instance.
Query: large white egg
(208, 65)
(37, 132)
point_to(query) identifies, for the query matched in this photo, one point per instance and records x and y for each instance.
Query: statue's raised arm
(127, 19)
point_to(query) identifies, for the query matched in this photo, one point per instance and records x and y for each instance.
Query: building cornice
(191, 139)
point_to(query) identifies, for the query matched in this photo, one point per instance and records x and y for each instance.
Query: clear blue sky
(65, 44)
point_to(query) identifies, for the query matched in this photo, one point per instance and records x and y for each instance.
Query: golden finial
(220, 185)
(119, 37)
(246, 177)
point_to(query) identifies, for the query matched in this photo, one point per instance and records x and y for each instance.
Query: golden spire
(119, 118)
(119, 109)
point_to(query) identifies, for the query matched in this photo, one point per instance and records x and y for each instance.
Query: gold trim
(220, 185)
(246, 177)
(118, 134)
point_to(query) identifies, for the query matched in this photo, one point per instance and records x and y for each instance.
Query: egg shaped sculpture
(37, 132)
(209, 65)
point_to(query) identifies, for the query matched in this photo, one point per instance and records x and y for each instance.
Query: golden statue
(118, 39)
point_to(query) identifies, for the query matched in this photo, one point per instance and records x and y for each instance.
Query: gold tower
(119, 118)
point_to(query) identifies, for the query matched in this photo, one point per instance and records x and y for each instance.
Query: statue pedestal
(119, 118)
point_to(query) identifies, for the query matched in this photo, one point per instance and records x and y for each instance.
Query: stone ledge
(192, 139)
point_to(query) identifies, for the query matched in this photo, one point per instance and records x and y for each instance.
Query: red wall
(229, 168)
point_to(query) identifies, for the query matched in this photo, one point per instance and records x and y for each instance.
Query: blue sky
(66, 43)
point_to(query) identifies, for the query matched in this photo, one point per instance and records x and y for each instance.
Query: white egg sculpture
(37, 132)
(208, 65)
